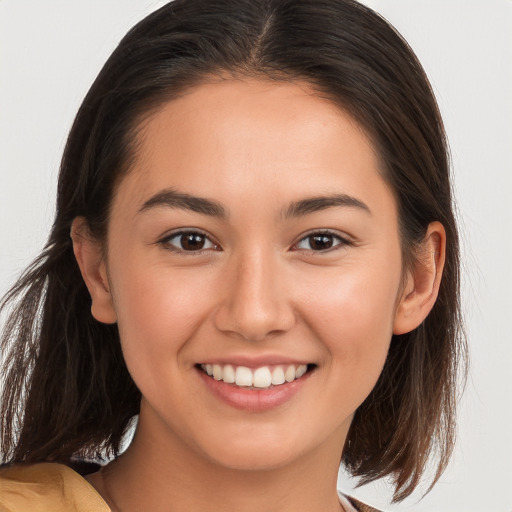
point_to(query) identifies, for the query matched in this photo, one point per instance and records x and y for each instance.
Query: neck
(168, 477)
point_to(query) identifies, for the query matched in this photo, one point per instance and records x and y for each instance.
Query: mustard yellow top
(47, 487)
(50, 487)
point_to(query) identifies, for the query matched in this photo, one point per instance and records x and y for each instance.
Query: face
(254, 234)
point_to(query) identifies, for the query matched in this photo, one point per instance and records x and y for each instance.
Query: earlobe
(89, 256)
(422, 282)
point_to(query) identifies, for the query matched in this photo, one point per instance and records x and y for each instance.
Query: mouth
(260, 378)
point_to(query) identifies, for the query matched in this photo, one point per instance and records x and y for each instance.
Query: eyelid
(164, 240)
(346, 240)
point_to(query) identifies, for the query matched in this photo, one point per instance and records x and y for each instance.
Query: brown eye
(321, 242)
(192, 241)
(189, 242)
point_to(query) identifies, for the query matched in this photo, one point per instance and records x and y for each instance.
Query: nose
(256, 301)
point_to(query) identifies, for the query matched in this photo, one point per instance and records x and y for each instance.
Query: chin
(259, 460)
(254, 453)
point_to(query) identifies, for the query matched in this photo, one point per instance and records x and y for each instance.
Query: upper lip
(255, 361)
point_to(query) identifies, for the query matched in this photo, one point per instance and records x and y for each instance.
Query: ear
(90, 258)
(422, 282)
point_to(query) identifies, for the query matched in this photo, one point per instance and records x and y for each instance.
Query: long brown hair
(67, 392)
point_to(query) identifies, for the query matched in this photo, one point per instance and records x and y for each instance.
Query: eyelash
(168, 245)
(343, 242)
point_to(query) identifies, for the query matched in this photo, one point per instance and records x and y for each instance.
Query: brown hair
(67, 370)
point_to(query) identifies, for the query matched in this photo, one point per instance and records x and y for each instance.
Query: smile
(255, 389)
(263, 377)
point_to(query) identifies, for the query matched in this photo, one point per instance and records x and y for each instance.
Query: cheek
(157, 312)
(352, 313)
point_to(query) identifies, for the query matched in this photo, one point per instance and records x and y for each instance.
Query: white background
(50, 52)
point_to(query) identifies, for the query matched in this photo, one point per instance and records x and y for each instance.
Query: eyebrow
(316, 204)
(173, 199)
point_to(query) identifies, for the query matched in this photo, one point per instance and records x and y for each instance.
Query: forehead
(233, 135)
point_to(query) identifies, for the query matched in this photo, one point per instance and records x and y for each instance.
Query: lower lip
(253, 400)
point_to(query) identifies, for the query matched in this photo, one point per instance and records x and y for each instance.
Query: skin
(259, 289)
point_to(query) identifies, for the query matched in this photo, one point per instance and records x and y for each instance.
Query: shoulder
(352, 505)
(47, 487)
(361, 507)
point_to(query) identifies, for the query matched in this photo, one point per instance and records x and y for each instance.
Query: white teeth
(229, 374)
(262, 377)
(217, 372)
(278, 376)
(289, 374)
(243, 376)
(300, 371)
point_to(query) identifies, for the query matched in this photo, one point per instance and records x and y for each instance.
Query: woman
(255, 252)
